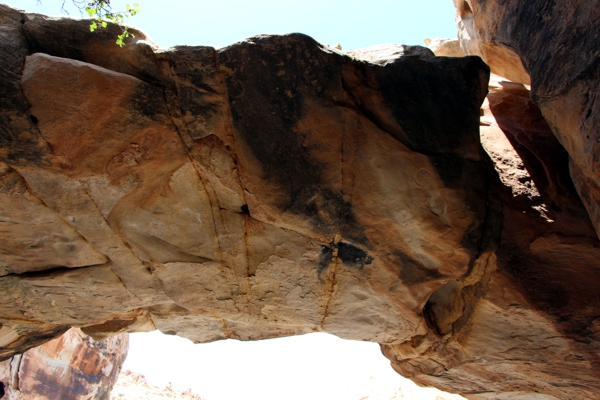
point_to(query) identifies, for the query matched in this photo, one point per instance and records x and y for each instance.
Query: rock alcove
(278, 186)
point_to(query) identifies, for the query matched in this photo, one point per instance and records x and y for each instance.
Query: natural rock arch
(279, 186)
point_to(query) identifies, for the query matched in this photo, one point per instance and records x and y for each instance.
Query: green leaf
(101, 13)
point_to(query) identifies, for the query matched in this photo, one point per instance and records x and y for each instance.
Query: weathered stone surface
(557, 44)
(533, 333)
(503, 60)
(286, 219)
(279, 186)
(72, 367)
(271, 188)
(445, 47)
(383, 53)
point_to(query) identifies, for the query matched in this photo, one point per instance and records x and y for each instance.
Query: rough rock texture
(445, 47)
(503, 60)
(279, 186)
(272, 188)
(557, 42)
(382, 53)
(534, 334)
(72, 367)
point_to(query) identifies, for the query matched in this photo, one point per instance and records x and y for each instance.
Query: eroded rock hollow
(278, 187)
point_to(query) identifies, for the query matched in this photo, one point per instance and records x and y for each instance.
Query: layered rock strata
(278, 187)
(72, 367)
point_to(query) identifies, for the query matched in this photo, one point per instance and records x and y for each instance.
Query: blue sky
(353, 24)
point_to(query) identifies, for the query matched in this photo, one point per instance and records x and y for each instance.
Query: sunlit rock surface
(72, 367)
(445, 47)
(556, 44)
(278, 187)
(479, 40)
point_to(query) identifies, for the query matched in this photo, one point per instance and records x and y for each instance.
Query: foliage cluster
(102, 12)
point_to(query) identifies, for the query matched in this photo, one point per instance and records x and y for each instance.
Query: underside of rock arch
(278, 187)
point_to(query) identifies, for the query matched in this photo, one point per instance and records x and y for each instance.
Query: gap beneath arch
(314, 366)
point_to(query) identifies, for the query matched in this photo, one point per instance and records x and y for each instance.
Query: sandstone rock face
(72, 367)
(445, 47)
(277, 187)
(557, 42)
(533, 334)
(503, 60)
(274, 187)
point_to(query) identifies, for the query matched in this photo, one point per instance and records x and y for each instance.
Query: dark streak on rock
(353, 256)
(14, 118)
(267, 91)
(415, 88)
(413, 272)
(325, 258)
(350, 255)
(149, 101)
(473, 179)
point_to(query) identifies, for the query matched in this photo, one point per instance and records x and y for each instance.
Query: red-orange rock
(72, 367)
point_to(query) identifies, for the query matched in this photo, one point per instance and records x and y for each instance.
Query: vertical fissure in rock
(245, 209)
(133, 253)
(16, 367)
(210, 194)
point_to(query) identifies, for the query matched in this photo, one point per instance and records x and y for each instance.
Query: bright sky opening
(352, 23)
(316, 366)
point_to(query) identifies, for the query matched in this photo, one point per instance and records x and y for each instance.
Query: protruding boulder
(72, 367)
